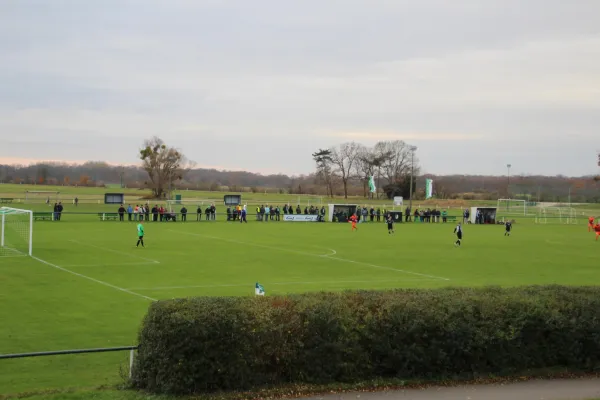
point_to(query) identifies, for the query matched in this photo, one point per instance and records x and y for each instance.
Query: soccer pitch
(89, 286)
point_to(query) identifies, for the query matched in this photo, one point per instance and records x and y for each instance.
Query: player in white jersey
(459, 234)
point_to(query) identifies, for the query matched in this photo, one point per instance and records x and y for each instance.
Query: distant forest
(536, 188)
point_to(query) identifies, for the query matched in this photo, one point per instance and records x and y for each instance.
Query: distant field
(90, 286)
(91, 199)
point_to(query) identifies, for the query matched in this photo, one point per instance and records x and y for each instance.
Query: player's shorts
(390, 227)
(459, 235)
(141, 237)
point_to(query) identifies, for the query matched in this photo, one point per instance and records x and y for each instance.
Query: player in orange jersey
(353, 219)
(590, 224)
(597, 229)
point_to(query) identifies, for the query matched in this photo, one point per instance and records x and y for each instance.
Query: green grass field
(88, 286)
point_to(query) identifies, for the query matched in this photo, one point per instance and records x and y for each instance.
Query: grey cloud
(252, 80)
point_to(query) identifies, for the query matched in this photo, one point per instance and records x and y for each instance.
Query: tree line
(342, 170)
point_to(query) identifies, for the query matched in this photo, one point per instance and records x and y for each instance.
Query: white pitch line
(110, 265)
(115, 251)
(93, 279)
(275, 283)
(388, 268)
(316, 255)
(264, 246)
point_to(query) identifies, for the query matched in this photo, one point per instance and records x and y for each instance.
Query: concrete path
(567, 389)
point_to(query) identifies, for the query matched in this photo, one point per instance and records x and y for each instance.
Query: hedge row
(208, 344)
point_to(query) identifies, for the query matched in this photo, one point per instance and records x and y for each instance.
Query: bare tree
(324, 169)
(396, 159)
(344, 157)
(364, 166)
(163, 164)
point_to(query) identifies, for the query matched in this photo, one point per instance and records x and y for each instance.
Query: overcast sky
(260, 85)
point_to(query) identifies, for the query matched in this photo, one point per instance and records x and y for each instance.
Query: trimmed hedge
(208, 344)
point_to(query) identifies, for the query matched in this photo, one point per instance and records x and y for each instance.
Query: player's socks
(138, 243)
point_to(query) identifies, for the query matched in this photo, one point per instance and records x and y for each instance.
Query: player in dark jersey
(508, 226)
(459, 234)
(390, 223)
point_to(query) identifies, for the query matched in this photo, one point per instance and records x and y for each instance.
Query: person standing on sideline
(121, 213)
(459, 234)
(129, 212)
(140, 232)
(183, 214)
(243, 215)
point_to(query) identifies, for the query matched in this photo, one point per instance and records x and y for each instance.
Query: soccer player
(508, 226)
(459, 234)
(140, 231)
(590, 224)
(597, 229)
(353, 219)
(390, 224)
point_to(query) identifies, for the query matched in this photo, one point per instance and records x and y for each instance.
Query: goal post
(46, 196)
(16, 232)
(512, 206)
(176, 205)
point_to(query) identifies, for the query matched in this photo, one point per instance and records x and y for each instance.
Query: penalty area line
(93, 279)
(328, 256)
(109, 265)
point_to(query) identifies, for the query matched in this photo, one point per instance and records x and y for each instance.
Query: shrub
(207, 344)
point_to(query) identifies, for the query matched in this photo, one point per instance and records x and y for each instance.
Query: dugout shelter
(232, 200)
(114, 198)
(341, 212)
(483, 215)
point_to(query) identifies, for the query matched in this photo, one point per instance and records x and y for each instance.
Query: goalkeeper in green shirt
(140, 230)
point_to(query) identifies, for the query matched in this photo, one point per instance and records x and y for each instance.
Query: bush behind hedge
(209, 343)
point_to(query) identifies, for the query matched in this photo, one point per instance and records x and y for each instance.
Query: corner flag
(259, 290)
(372, 188)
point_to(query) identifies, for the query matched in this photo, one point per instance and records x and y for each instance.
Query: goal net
(39, 196)
(556, 215)
(16, 232)
(512, 207)
(174, 206)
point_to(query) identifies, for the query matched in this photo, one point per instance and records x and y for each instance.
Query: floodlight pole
(412, 172)
(508, 186)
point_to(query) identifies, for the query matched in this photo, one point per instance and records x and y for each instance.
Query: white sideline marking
(276, 283)
(264, 246)
(315, 255)
(110, 265)
(93, 279)
(115, 251)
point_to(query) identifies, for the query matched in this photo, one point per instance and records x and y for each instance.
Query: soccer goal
(556, 215)
(16, 232)
(512, 206)
(191, 205)
(38, 196)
